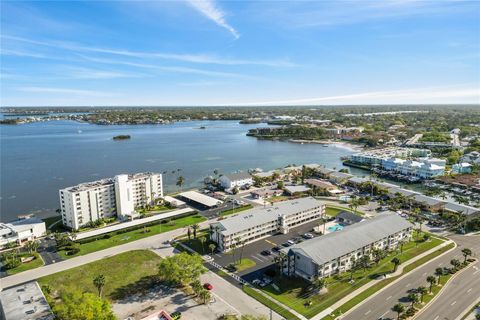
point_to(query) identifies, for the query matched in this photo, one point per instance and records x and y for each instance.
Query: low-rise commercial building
(232, 180)
(107, 198)
(337, 251)
(21, 230)
(261, 222)
(199, 199)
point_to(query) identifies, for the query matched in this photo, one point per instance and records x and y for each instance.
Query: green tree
(455, 263)
(466, 253)
(421, 291)
(212, 247)
(413, 298)
(182, 268)
(195, 227)
(320, 283)
(399, 309)
(396, 263)
(280, 185)
(189, 233)
(196, 286)
(82, 306)
(431, 280)
(180, 182)
(99, 283)
(439, 274)
(377, 255)
(205, 295)
(32, 246)
(202, 241)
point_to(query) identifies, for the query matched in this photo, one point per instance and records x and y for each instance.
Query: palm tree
(99, 283)
(195, 227)
(353, 267)
(279, 260)
(399, 309)
(180, 182)
(202, 241)
(455, 263)
(421, 291)
(439, 274)
(413, 298)
(243, 243)
(377, 255)
(212, 247)
(233, 246)
(466, 253)
(320, 283)
(237, 243)
(189, 233)
(395, 262)
(432, 280)
(32, 246)
(205, 296)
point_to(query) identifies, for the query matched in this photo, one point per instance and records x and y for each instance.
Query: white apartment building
(375, 157)
(337, 251)
(21, 230)
(261, 222)
(229, 181)
(106, 198)
(425, 169)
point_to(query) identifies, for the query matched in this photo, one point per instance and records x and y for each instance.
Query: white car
(308, 236)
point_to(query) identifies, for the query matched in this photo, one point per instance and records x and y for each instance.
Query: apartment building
(261, 222)
(425, 169)
(106, 198)
(240, 179)
(377, 156)
(337, 251)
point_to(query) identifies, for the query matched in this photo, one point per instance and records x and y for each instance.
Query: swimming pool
(336, 227)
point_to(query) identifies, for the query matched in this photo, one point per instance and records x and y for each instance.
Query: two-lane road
(453, 300)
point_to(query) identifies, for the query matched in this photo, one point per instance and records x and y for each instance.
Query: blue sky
(239, 52)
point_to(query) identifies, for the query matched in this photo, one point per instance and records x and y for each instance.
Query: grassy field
(239, 209)
(118, 239)
(278, 198)
(294, 293)
(154, 209)
(54, 224)
(125, 274)
(245, 264)
(333, 211)
(370, 291)
(37, 262)
(270, 304)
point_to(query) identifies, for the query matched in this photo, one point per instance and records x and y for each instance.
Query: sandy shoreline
(344, 144)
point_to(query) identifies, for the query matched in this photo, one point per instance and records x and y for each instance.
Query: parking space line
(272, 243)
(255, 257)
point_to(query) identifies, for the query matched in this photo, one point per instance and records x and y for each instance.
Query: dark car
(276, 249)
(286, 244)
(266, 253)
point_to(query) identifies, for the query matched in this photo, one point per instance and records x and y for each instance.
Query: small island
(122, 137)
(202, 127)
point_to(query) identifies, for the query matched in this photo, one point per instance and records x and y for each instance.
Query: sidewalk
(399, 271)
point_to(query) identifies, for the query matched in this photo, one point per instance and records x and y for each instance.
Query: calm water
(37, 159)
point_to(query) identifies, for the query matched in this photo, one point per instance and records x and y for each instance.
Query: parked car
(208, 286)
(286, 244)
(276, 249)
(266, 253)
(308, 236)
(291, 242)
(256, 282)
(176, 315)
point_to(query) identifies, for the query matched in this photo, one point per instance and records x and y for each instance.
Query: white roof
(174, 200)
(293, 189)
(200, 198)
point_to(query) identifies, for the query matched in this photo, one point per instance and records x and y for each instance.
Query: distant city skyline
(249, 53)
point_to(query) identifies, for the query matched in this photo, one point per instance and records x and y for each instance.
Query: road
(453, 300)
(152, 243)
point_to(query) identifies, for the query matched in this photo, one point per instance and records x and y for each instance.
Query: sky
(208, 52)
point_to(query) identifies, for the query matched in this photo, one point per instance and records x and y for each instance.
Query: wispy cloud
(54, 90)
(87, 73)
(420, 95)
(211, 11)
(192, 58)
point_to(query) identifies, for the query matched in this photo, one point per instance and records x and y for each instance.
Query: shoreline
(343, 144)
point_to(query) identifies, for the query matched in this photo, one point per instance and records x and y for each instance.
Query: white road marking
(476, 272)
(436, 318)
(469, 290)
(381, 317)
(453, 303)
(254, 257)
(228, 304)
(368, 312)
(440, 264)
(408, 285)
(218, 255)
(424, 274)
(389, 298)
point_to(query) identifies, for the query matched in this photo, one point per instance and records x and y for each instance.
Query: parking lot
(253, 251)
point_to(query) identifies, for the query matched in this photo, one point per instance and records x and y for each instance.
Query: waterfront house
(232, 180)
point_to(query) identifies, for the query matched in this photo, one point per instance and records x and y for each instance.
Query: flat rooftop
(200, 198)
(25, 301)
(260, 215)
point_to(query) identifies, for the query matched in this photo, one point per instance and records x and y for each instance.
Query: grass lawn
(156, 208)
(294, 293)
(278, 198)
(37, 262)
(245, 264)
(117, 239)
(333, 211)
(232, 211)
(270, 304)
(125, 273)
(54, 224)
